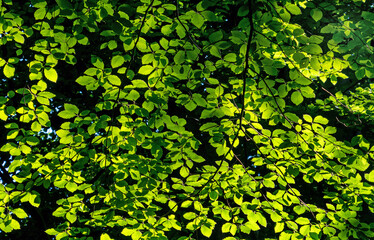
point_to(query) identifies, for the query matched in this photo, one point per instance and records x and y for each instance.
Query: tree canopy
(152, 119)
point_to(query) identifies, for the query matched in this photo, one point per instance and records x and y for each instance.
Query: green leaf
(190, 106)
(146, 70)
(66, 114)
(298, 57)
(112, 44)
(299, 209)
(308, 118)
(206, 231)
(316, 14)
(219, 91)
(329, 231)
(19, 38)
(85, 80)
(133, 95)
(293, 9)
(208, 126)
(197, 20)
(215, 51)
(316, 39)
(51, 74)
(149, 116)
(285, 16)
(117, 61)
(97, 62)
(113, 79)
(9, 70)
(307, 92)
(370, 176)
(216, 36)
(62, 236)
(268, 183)
(20, 213)
(64, 4)
(10, 110)
(199, 100)
(71, 108)
(43, 100)
(142, 45)
(230, 238)
(313, 49)
(279, 226)
(271, 70)
(253, 225)
(181, 31)
(71, 186)
(282, 90)
(302, 221)
(225, 214)
(139, 83)
(304, 230)
(11, 125)
(164, 43)
(51, 231)
(226, 227)
(32, 140)
(34, 200)
(189, 215)
(360, 74)
(179, 57)
(328, 29)
(303, 80)
(243, 10)
(40, 13)
(148, 58)
(71, 217)
(321, 120)
(105, 236)
(136, 235)
(230, 57)
(213, 195)
(69, 112)
(15, 224)
(360, 164)
(296, 98)
(318, 177)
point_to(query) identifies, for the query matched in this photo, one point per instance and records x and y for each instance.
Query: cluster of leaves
(186, 119)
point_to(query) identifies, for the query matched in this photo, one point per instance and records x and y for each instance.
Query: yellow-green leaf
(146, 70)
(297, 98)
(51, 74)
(9, 70)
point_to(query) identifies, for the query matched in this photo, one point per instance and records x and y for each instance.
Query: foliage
(247, 119)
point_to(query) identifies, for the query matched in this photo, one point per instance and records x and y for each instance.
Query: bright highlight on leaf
(51, 74)
(146, 70)
(105, 236)
(117, 61)
(9, 70)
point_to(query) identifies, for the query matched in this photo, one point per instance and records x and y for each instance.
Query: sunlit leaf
(117, 61)
(9, 70)
(296, 97)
